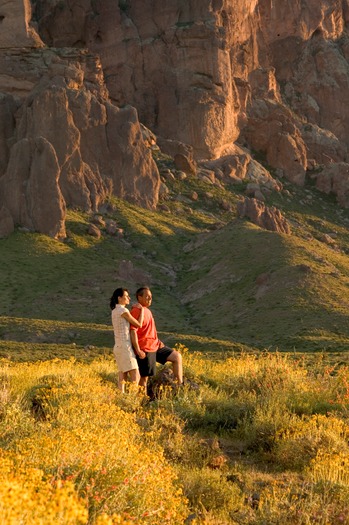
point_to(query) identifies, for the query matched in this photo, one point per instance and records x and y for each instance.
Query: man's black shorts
(147, 366)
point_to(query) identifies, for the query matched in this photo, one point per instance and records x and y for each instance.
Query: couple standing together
(137, 347)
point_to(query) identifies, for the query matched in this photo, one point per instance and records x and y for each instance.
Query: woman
(123, 351)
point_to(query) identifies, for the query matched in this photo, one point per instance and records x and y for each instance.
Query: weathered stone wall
(15, 25)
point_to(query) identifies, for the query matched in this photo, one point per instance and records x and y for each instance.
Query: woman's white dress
(123, 351)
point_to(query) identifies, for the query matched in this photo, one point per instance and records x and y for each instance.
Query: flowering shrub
(330, 467)
(300, 442)
(26, 496)
(89, 445)
(248, 440)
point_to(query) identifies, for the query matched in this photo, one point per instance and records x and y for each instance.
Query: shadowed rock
(335, 179)
(16, 28)
(6, 222)
(98, 149)
(30, 187)
(269, 218)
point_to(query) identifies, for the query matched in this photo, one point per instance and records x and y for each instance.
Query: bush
(90, 444)
(27, 496)
(297, 445)
(209, 491)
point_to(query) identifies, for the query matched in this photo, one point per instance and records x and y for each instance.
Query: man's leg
(147, 367)
(167, 354)
(177, 366)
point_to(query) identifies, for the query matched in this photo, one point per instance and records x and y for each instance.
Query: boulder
(269, 218)
(128, 273)
(335, 179)
(173, 147)
(237, 165)
(206, 175)
(271, 130)
(6, 222)
(225, 205)
(184, 163)
(251, 188)
(323, 147)
(164, 191)
(94, 231)
(111, 227)
(99, 221)
(131, 169)
(30, 187)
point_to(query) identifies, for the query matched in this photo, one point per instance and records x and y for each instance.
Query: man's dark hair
(141, 290)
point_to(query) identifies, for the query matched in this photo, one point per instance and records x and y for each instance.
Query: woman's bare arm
(132, 320)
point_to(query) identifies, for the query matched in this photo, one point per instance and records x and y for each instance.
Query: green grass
(204, 266)
(256, 435)
(20, 352)
(223, 291)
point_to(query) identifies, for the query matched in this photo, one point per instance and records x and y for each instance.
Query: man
(148, 348)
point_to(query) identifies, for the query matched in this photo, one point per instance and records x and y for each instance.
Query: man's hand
(134, 341)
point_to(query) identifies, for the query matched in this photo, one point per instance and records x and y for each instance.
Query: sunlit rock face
(210, 73)
(170, 61)
(16, 29)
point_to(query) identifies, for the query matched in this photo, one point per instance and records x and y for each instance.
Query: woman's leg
(134, 375)
(121, 381)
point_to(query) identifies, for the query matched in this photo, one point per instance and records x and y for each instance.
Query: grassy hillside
(268, 290)
(253, 438)
(218, 282)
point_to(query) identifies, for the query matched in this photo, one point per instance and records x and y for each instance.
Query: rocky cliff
(216, 79)
(62, 141)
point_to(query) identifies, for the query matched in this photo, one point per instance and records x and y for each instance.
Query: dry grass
(253, 439)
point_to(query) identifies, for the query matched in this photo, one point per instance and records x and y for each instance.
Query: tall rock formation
(15, 24)
(62, 141)
(211, 76)
(272, 76)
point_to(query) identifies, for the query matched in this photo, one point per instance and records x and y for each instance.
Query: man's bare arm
(134, 341)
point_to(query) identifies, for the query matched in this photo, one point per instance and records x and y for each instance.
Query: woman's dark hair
(119, 292)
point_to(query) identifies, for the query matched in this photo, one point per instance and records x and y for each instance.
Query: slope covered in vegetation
(217, 280)
(255, 436)
(249, 440)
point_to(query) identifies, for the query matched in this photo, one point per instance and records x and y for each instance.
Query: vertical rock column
(15, 28)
